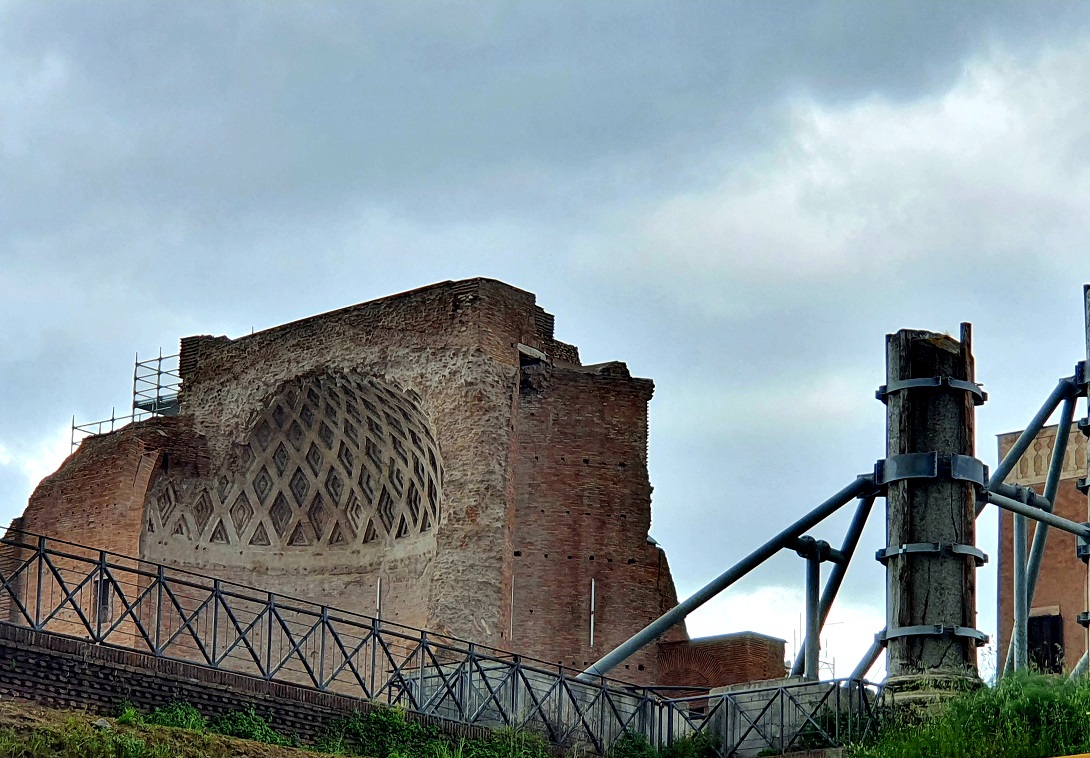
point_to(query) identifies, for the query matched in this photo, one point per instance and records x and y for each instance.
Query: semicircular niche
(333, 460)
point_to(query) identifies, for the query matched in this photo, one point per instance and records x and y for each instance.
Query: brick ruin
(436, 457)
(1056, 640)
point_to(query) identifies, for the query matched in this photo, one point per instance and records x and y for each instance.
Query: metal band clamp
(1082, 549)
(1082, 380)
(932, 548)
(1083, 619)
(1084, 426)
(1083, 485)
(933, 382)
(936, 630)
(930, 466)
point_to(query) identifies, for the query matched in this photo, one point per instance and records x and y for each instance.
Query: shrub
(179, 714)
(380, 733)
(632, 746)
(1025, 716)
(248, 725)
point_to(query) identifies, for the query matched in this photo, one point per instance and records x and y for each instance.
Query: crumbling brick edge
(67, 673)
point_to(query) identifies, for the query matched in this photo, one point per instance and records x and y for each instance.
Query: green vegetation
(1031, 716)
(387, 733)
(636, 746)
(178, 730)
(77, 737)
(245, 724)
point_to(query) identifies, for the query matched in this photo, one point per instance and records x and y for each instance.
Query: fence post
(38, 594)
(215, 622)
(931, 476)
(322, 683)
(158, 609)
(102, 590)
(268, 640)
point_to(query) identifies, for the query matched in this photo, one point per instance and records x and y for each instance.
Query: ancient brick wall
(452, 346)
(721, 660)
(1061, 587)
(582, 513)
(97, 496)
(440, 445)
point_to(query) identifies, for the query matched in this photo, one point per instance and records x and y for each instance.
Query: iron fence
(63, 588)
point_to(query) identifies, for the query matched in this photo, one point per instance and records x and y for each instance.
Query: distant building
(1056, 640)
(435, 457)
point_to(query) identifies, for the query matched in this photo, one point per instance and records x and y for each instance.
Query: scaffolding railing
(155, 385)
(79, 592)
(113, 423)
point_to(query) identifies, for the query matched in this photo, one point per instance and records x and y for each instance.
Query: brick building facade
(436, 457)
(1056, 640)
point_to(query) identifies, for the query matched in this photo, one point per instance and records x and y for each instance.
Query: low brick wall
(68, 673)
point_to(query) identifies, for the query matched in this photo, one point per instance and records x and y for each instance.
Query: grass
(178, 730)
(1028, 716)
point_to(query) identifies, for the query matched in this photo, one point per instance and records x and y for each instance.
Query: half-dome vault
(338, 472)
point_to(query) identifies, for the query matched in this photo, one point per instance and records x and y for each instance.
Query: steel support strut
(870, 657)
(862, 486)
(1065, 388)
(1037, 514)
(1040, 534)
(1085, 371)
(813, 613)
(839, 570)
(1019, 642)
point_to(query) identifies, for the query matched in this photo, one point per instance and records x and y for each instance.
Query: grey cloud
(247, 109)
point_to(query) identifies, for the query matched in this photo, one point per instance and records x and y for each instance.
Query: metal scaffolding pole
(1042, 516)
(1065, 388)
(1019, 641)
(862, 486)
(1086, 370)
(1080, 667)
(1040, 534)
(870, 657)
(813, 612)
(839, 570)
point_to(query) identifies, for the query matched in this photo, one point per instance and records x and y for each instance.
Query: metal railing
(114, 422)
(62, 588)
(806, 715)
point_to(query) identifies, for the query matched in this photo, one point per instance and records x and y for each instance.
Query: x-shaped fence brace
(62, 588)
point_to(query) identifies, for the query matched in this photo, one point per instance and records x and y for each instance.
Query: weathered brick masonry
(66, 673)
(437, 452)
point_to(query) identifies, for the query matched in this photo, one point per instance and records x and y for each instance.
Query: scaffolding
(156, 383)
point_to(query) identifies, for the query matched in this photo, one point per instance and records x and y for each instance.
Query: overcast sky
(738, 199)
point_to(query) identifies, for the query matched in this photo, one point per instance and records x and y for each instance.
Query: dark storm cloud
(293, 109)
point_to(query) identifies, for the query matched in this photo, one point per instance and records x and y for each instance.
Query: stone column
(931, 593)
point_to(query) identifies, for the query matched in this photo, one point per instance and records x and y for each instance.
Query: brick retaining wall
(62, 672)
